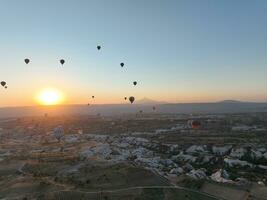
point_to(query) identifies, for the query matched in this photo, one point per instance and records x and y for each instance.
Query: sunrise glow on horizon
(50, 97)
(177, 51)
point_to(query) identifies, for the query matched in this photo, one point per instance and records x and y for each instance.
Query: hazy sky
(178, 51)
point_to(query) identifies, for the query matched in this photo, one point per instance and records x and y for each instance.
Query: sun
(50, 97)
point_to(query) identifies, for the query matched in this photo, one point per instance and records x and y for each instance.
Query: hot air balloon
(93, 97)
(125, 98)
(122, 64)
(62, 61)
(3, 83)
(194, 124)
(5, 87)
(58, 132)
(141, 111)
(131, 99)
(88, 104)
(154, 108)
(27, 60)
(135, 83)
(98, 47)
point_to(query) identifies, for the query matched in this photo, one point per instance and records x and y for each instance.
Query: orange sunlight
(50, 97)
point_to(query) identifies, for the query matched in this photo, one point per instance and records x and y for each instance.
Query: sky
(177, 50)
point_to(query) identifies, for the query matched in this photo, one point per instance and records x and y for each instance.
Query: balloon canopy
(58, 132)
(62, 61)
(3, 83)
(27, 60)
(194, 124)
(131, 99)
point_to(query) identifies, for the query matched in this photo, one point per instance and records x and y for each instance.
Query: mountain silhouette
(231, 101)
(147, 101)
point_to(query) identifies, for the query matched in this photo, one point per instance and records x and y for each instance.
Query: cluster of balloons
(62, 62)
(27, 61)
(3, 84)
(131, 99)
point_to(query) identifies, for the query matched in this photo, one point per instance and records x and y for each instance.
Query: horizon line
(149, 103)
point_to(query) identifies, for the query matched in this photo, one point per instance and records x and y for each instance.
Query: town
(74, 155)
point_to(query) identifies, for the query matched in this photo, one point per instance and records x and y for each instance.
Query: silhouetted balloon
(141, 111)
(93, 96)
(3, 83)
(135, 83)
(62, 61)
(5, 87)
(122, 64)
(88, 104)
(98, 47)
(125, 98)
(131, 99)
(27, 60)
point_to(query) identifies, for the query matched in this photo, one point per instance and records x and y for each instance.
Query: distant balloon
(5, 87)
(141, 111)
(131, 99)
(3, 83)
(125, 98)
(58, 132)
(93, 97)
(122, 64)
(27, 60)
(62, 61)
(135, 83)
(98, 47)
(154, 108)
(194, 124)
(88, 104)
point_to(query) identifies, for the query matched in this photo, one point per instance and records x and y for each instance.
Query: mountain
(226, 106)
(231, 101)
(147, 101)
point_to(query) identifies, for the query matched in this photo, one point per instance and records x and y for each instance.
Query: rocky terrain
(40, 160)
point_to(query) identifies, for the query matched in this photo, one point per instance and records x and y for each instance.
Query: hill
(147, 101)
